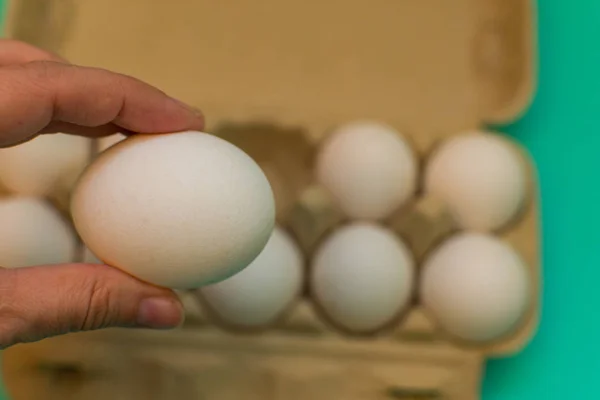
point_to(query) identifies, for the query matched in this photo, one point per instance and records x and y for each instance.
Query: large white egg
(476, 287)
(44, 164)
(32, 232)
(481, 177)
(261, 292)
(369, 169)
(178, 210)
(362, 277)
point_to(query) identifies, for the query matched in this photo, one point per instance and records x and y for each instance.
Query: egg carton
(405, 354)
(422, 222)
(278, 87)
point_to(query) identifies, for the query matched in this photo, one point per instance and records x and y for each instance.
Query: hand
(40, 94)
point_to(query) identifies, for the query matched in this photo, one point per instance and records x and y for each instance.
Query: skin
(40, 93)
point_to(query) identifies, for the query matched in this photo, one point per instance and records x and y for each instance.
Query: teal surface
(563, 361)
(560, 130)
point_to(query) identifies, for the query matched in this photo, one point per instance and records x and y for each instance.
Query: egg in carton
(36, 178)
(433, 74)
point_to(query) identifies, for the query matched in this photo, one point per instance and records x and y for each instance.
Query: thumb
(38, 302)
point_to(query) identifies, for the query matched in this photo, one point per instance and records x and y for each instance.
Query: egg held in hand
(178, 210)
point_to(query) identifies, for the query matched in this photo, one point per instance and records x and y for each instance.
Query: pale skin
(41, 93)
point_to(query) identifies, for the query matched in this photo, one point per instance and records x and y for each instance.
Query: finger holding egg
(178, 210)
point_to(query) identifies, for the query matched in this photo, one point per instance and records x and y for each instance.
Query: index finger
(36, 94)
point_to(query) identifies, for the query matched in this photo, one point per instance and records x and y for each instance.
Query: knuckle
(99, 309)
(43, 70)
(110, 89)
(87, 96)
(109, 102)
(45, 75)
(34, 76)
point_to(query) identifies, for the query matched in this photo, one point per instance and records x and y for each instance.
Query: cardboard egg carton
(275, 78)
(423, 223)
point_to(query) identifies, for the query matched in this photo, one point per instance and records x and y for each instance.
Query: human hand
(43, 94)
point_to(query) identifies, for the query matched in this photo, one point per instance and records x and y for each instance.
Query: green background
(563, 360)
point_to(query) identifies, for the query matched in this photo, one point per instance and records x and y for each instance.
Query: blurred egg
(109, 141)
(369, 169)
(178, 210)
(45, 164)
(476, 287)
(362, 277)
(32, 233)
(262, 291)
(481, 177)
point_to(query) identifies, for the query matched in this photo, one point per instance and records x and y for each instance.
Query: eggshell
(32, 233)
(362, 277)
(261, 292)
(44, 164)
(368, 168)
(481, 177)
(178, 210)
(476, 287)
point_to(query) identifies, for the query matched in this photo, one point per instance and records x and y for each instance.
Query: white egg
(476, 287)
(261, 292)
(368, 168)
(178, 210)
(32, 233)
(44, 164)
(481, 177)
(109, 141)
(362, 277)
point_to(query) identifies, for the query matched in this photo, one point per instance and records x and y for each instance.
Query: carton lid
(428, 65)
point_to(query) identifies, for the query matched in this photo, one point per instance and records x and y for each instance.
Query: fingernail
(160, 313)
